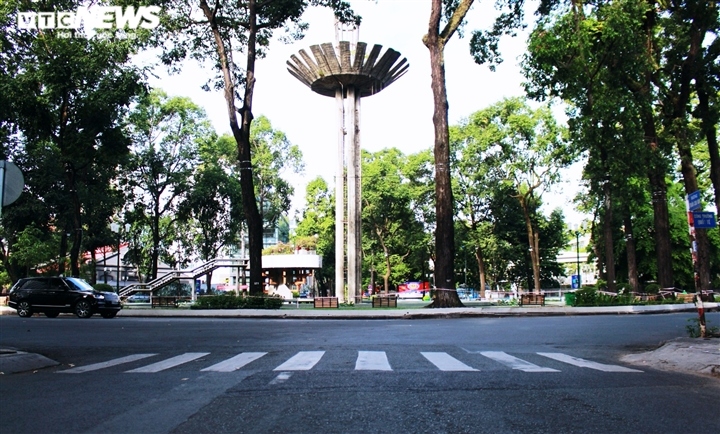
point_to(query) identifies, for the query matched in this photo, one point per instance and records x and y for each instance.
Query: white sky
(399, 116)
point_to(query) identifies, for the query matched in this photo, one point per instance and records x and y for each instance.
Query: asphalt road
(540, 374)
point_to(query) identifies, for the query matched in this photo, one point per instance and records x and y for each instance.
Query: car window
(35, 284)
(56, 283)
(78, 284)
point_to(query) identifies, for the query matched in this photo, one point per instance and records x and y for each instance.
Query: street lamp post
(116, 228)
(577, 247)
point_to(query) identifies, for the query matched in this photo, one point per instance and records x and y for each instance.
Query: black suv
(53, 295)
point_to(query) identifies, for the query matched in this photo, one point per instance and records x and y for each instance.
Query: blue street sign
(574, 281)
(704, 220)
(693, 200)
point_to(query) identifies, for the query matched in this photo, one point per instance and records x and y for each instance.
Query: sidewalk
(694, 356)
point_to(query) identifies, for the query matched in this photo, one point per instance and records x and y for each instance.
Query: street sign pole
(692, 203)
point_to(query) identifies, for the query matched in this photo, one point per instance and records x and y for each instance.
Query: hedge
(227, 301)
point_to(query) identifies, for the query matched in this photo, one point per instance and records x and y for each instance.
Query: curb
(13, 361)
(400, 313)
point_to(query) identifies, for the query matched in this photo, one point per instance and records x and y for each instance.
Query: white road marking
(101, 365)
(281, 378)
(302, 361)
(234, 363)
(168, 363)
(445, 362)
(587, 363)
(515, 363)
(372, 361)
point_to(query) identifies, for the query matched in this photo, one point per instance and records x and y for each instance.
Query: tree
(318, 220)
(435, 40)
(388, 220)
(216, 32)
(523, 148)
(167, 132)
(211, 213)
(64, 99)
(272, 155)
(591, 56)
(475, 176)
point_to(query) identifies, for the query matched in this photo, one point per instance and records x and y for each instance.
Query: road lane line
(372, 361)
(445, 362)
(234, 363)
(102, 365)
(302, 361)
(168, 363)
(515, 363)
(587, 363)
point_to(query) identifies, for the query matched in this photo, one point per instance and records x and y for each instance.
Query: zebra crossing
(364, 361)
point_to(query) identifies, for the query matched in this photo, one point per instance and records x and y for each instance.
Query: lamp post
(116, 228)
(577, 247)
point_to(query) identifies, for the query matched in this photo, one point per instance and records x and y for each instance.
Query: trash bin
(570, 299)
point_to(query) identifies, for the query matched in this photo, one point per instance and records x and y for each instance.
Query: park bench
(323, 302)
(531, 299)
(384, 301)
(166, 301)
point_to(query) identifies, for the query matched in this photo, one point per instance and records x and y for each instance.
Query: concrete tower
(345, 72)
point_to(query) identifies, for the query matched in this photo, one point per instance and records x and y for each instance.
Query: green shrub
(228, 301)
(103, 287)
(624, 288)
(652, 288)
(585, 297)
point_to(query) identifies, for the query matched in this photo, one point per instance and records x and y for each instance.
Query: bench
(685, 298)
(323, 302)
(166, 301)
(297, 301)
(532, 300)
(384, 301)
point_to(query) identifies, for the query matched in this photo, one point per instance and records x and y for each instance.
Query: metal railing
(194, 273)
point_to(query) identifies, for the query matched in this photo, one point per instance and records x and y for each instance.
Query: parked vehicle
(138, 298)
(55, 295)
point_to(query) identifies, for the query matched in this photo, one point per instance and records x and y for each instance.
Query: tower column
(340, 200)
(353, 171)
(358, 197)
(347, 69)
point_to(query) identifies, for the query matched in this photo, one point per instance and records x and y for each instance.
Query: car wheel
(83, 309)
(108, 314)
(52, 314)
(24, 310)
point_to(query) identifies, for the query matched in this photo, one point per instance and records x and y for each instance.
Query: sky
(400, 116)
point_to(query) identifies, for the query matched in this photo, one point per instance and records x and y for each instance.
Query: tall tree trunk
(608, 238)
(710, 120)
(677, 125)
(661, 221)
(435, 41)
(481, 270)
(631, 253)
(656, 171)
(241, 133)
(76, 219)
(702, 267)
(656, 163)
(444, 232)
(533, 243)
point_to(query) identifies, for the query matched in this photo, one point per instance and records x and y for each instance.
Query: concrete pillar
(353, 245)
(358, 197)
(340, 200)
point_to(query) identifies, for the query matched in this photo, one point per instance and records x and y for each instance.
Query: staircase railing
(194, 273)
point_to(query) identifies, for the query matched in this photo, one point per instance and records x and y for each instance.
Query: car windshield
(79, 284)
